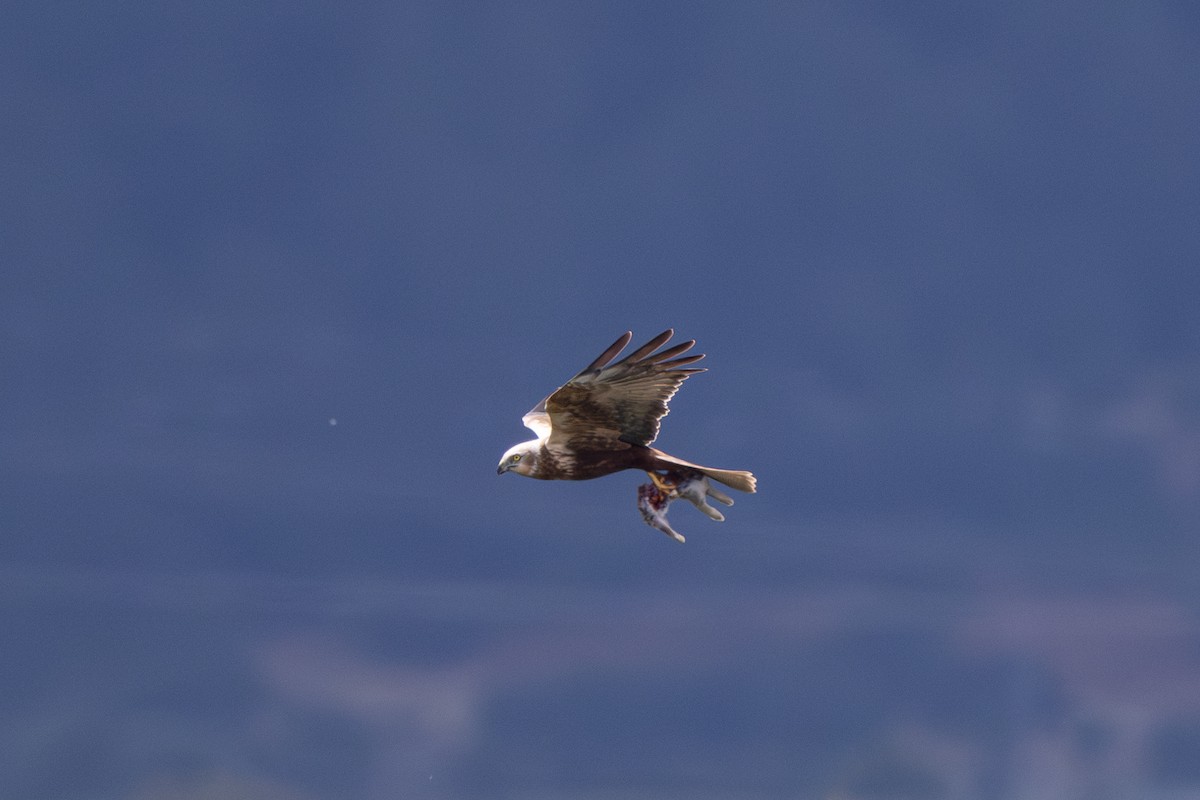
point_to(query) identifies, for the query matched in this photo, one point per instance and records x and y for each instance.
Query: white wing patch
(538, 422)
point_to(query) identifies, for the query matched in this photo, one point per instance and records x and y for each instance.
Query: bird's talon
(663, 485)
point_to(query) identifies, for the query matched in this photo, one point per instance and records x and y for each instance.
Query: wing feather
(611, 407)
(679, 362)
(670, 352)
(538, 421)
(608, 355)
(649, 347)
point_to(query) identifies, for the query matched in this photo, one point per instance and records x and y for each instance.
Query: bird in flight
(603, 421)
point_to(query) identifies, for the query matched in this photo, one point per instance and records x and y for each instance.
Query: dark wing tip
(679, 362)
(670, 352)
(612, 352)
(649, 347)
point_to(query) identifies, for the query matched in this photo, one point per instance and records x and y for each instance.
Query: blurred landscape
(281, 281)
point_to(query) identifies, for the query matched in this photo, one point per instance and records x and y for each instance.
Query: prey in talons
(654, 498)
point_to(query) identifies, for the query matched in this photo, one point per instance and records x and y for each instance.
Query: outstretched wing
(608, 407)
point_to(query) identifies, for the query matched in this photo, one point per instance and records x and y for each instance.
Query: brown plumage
(604, 419)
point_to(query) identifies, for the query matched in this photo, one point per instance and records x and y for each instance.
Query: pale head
(520, 458)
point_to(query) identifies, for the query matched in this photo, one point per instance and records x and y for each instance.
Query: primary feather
(605, 406)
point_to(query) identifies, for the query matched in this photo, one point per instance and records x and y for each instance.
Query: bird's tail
(738, 479)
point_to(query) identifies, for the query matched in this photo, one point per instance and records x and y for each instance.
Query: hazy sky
(281, 279)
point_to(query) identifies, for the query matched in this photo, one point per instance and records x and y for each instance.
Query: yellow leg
(664, 485)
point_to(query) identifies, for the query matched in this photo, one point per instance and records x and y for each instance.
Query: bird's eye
(516, 457)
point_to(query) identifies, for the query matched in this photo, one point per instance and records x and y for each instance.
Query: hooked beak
(500, 470)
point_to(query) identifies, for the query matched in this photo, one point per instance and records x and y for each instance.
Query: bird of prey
(603, 421)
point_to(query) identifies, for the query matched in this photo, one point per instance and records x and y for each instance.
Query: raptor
(604, 419)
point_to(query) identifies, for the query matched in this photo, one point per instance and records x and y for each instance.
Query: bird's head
(520, 458)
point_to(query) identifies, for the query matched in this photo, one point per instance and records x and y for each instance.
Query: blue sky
(942, 259)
